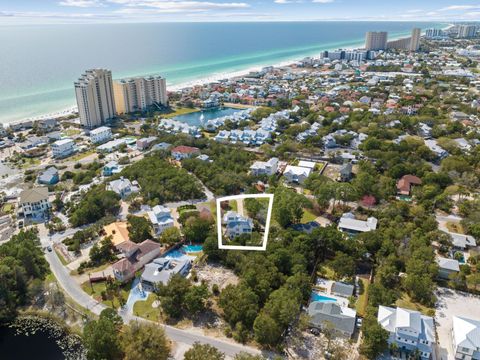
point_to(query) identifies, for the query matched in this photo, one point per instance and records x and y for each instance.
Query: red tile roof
(185, 149)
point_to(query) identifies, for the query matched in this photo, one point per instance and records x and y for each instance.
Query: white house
(100, 135)
(350, 225)
(34, 203)
(63, 148)
(466, 338)
(409, 330)
(296, 174)
(264, 167)
(161, 218)
(123, 187)
(236, 224)
(184, 152)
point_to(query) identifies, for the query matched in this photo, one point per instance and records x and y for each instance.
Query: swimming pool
(192, 248)
(185, 250)
(322, 298)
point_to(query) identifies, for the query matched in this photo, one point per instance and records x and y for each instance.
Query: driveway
(452, 303)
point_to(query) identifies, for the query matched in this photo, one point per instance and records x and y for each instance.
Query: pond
(198, 118)
(22, 347)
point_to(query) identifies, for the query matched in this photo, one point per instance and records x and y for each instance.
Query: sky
(104, 11)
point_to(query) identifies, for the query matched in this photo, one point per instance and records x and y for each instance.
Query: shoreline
(71, 110)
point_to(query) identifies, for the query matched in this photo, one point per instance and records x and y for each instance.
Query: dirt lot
(216, 274)
(451, 303)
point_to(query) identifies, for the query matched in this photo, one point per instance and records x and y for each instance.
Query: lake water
(20, 347)
(39, 63)
(200, 117)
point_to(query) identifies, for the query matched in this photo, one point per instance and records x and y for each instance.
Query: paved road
(84, 300)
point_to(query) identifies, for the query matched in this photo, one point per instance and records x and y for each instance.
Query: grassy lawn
(95, 290)
(408, 303)
(179, 111)
(80, 156)
(237, 106)
(7, 208)
(455, 227)
(145, 310)
(307, 216)
(326, 272)
(92, 270)
(29, 162)
(72, 132)
(362, 300)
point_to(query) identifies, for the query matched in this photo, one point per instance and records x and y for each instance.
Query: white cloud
(287, 1)
(459, 7)
(176, 5)
(322, 1)
(81, 3)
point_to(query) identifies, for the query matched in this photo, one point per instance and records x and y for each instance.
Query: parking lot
(452, 303)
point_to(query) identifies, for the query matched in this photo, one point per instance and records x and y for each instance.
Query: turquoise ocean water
(38, 64)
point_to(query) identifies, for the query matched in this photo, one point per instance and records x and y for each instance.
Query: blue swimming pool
(322, 298)
(183, 251)
(192, 248)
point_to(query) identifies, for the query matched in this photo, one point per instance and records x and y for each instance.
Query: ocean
(39, 63)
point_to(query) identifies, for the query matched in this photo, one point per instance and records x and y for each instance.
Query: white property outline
(267, 224)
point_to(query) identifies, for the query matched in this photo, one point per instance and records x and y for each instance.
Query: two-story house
(236, 224)
(409, 330)
(34, 203)
(161, 218)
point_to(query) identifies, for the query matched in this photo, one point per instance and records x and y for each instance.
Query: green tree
(267, 331)
(101, 337)
(173, 294)
(239, 304)
(171, 236)
(142, 341)
(139, 228)
(196, 298)
(197, 229)
(203, 352)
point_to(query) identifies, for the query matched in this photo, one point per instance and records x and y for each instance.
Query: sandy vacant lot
(452, 303)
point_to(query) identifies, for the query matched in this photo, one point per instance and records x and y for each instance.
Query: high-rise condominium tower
(376, 40)
(94, 94)
(139, 93)
(415, 39)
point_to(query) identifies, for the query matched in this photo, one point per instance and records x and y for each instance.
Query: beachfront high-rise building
(415, 39)
(434, 33)
(138, 93)
(94, 93)
(466, 31)
(376, 40)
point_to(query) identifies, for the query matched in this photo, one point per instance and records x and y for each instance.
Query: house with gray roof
(350, 225)
(466, 338)
(160, 270)
(123, 187)
(237, 224)
(461, 241)
(161, 218)
(409, 330)
(34, 203)
(446, 267)
(48, 176)
(323, 314)
(342, 289)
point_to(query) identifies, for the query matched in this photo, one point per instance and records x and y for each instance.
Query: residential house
(145, 143)
(34, 203)
(462, 242)
(63, 148)
(346, 173)
(136, 257)
(436, 149)
(161, 218)
(404, 185)
(342, 289)
(466, 338)
(306, 228)
(111, 168)
(352, 226)
(123, 187)
(296, 174)
(100, 135)
(409, 330)
(446, 267)
(267, 168)
(48, 176)
(112, 145)
(184, 152)
(324, 314)
(237, 224)
(160, 270)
